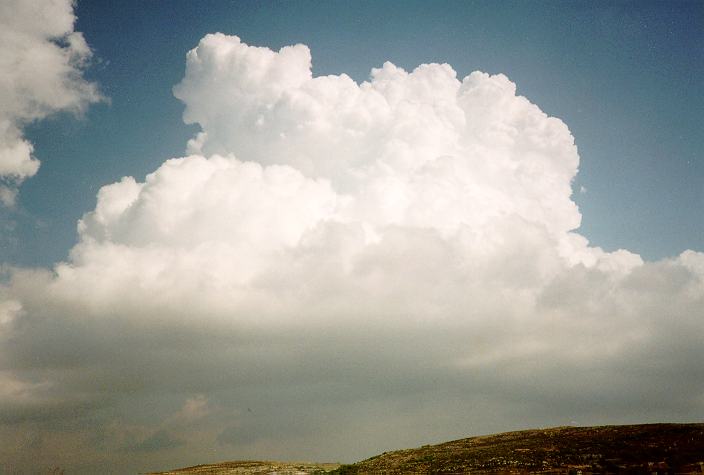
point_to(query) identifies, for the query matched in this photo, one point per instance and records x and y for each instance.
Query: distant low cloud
(41, 62)
(160, 440)
(336, 269)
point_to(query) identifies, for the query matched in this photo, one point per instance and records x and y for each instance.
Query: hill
(251, 467)
(651, 448)
(647, 448)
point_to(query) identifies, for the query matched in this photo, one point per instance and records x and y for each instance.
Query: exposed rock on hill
(651, 448)
(251, 467)
(648, 448)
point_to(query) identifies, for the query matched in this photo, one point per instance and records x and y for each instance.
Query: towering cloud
(41, 61)
(423, 148)
(321, 168)
(337, 269)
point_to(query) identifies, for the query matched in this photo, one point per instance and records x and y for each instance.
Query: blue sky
(625, 77)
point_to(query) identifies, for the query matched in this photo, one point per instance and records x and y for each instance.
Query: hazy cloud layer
(41, 62)
(338, 269)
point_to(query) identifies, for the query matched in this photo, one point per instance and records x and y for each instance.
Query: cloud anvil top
(332, 261)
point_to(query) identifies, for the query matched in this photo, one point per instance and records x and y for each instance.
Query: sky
(323, 230)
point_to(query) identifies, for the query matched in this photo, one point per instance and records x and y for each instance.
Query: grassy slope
(636, 448)
(254, 467)
(661, 448)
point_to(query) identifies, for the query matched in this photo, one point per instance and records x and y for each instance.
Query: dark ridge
(648, 448)
(627, 449)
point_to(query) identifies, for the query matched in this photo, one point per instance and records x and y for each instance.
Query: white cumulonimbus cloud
(296, 164)
(390, 255)
(41, 62)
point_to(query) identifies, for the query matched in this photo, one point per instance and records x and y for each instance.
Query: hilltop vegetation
(251, 467)
(661, 448)
(647, 448)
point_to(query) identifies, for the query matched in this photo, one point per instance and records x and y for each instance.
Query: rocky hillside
(254, 467)
(651, 448)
